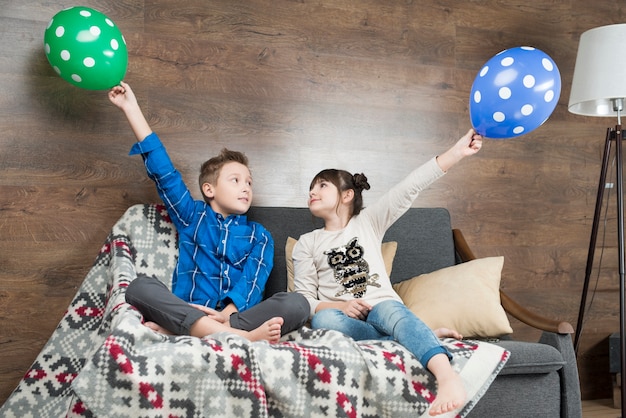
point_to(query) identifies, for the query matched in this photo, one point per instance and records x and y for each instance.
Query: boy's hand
(122, 96)
(211, 313)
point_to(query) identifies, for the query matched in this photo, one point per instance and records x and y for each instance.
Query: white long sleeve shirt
(342, 265)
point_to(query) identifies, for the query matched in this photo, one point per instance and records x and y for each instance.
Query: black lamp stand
(613, 135)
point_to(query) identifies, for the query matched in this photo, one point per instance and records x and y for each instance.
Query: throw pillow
(388, 249)
(465, 297)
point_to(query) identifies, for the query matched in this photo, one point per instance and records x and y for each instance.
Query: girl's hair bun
(360, 181)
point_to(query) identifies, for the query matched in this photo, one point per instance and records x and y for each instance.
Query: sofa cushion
(388, 249)
(465, 297)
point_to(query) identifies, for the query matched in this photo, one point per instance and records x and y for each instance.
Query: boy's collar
(237, 218)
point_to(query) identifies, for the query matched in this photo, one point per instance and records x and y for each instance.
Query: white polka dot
(95, 31)
(57, 70)
(528, 48)
(65, 55)
(47, 48)
(76, 78)
(109, 22)
(85, 13)
(548, 96)
(529, 81)
(527, 109)
(484, 71)
(477, 96)
(507, 62)
(60, 31)
(89, 62)
(518, 130)
(498, 117)
(114, 44)
(504, 93)
(547, 64)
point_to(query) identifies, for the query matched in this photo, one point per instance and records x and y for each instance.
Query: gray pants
(158, 304)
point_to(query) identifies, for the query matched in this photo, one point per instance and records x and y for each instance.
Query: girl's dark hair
(343, 180)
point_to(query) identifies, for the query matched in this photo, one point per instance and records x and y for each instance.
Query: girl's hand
(468, 144)
(356, 308)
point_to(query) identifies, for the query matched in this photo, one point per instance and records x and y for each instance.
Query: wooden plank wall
(377, 86)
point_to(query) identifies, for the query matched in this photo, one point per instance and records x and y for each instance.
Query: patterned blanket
(101, 361)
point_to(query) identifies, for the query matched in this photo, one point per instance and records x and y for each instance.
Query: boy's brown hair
(210, 169)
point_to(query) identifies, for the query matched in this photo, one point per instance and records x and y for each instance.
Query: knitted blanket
(101, 360)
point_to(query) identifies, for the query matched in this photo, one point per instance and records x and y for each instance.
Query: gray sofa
(539, 380)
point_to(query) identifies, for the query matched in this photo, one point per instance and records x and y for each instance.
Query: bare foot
(450, 394)
(158, 328)
(268, 331)
(450, 390)
(447, 333)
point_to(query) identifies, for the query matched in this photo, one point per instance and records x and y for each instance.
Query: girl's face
(323, 198)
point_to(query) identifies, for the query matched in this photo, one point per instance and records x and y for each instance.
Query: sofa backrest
(424, 237)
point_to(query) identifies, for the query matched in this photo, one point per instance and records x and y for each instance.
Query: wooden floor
(600, 408)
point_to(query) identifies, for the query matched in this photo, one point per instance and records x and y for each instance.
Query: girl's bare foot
(158, 328)
(447, 333)
(450, 395)
(450, 389)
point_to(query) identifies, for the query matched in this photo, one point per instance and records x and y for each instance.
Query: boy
(224, 259)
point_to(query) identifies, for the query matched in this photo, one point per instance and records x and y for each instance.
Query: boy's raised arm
(123, 97)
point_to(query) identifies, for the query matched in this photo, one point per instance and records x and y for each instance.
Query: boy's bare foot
(447, 333)
(158, 328)
(268, 331)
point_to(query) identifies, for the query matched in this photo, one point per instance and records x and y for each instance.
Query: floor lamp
(599, 89)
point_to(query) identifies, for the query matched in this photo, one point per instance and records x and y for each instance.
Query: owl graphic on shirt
(350, 269)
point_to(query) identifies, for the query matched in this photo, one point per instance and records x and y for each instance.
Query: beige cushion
(465, 297)
(388, 249)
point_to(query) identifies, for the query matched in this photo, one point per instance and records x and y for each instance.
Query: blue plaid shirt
(221, 260)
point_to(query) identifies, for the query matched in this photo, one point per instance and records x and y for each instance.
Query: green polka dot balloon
(86, 48)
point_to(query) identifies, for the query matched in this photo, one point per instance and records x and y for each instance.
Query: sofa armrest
(570, 387)
(511, 306)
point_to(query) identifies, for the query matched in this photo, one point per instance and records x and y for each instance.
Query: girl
(340, 269)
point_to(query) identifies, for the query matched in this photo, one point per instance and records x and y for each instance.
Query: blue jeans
(388, 320)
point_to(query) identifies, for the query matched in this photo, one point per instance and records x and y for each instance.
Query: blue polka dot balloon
(514, 93)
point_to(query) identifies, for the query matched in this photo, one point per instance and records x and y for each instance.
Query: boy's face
(232, 192)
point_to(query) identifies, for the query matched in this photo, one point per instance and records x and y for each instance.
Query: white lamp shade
(600, 71)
